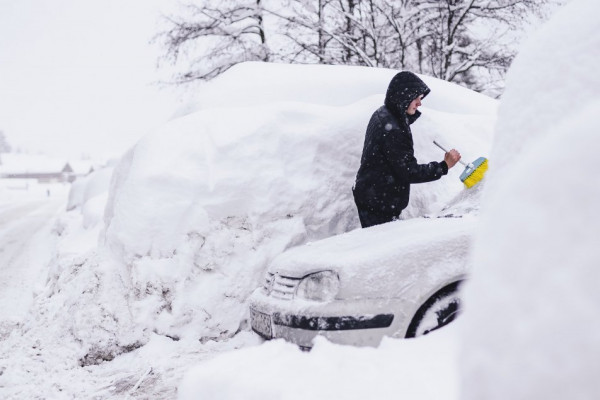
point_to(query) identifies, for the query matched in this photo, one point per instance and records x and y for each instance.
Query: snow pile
(325, 85)
(60, 330)
(531, 328)
(90, 194)
(198, 208)
(201, 205)
(280, 371)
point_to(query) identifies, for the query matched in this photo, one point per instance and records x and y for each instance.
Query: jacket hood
(404, 88)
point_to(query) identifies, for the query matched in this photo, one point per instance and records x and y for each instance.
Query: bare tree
(466, 35)
(335, 32)
(303, 25)
(462, 41)
(215, 35)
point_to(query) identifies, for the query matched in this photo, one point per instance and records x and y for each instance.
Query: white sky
(77, 77)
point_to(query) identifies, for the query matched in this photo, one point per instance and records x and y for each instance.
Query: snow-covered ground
(26, 212)
(153, 262)
(423, 368)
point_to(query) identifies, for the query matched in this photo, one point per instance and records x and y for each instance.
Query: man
(388, 166)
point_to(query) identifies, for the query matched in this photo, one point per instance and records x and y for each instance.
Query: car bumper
(362, 323)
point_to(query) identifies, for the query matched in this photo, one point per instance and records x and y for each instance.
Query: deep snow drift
(198, 208)
(531, 327)
(424, 369)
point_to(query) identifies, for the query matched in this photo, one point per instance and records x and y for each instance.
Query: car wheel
(438, 311)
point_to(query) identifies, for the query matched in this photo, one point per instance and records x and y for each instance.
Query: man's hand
(452, 158)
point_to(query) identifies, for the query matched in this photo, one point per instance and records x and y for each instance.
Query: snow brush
(473, 172)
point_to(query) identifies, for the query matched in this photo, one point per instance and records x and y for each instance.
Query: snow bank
(531, 328)
(76, 192)
(201, 205)
(90, 194)
(198, 208)
(423, 369)
(325, 85)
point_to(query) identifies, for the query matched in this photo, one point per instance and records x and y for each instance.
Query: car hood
(403, 252)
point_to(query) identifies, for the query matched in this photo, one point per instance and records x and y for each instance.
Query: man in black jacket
(388, 165)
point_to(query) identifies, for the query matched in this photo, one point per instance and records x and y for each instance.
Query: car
(399, 279)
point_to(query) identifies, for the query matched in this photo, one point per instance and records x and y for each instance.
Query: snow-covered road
(27, 245)
(23, 251)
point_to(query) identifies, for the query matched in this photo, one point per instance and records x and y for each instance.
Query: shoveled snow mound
(422, 369)
(255, 83)
(198, 208)
(531, 322)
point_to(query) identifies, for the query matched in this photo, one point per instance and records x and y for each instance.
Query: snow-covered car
(399, 279)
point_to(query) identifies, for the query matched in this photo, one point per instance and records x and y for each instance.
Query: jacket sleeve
(398, 151)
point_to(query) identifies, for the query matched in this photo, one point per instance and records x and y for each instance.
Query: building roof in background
(22, 163)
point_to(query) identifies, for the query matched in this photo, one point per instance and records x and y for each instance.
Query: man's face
(414, 105)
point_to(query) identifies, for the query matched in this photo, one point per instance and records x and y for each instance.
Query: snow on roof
(20, 163)
(82, 167)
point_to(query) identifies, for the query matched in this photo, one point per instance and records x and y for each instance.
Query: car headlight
(320, 286)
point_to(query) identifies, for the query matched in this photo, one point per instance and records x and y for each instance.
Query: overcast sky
(77, 77)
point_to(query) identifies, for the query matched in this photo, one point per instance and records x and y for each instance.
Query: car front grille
(280, 287)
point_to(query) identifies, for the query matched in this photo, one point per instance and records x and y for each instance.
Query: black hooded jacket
(388, 165)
